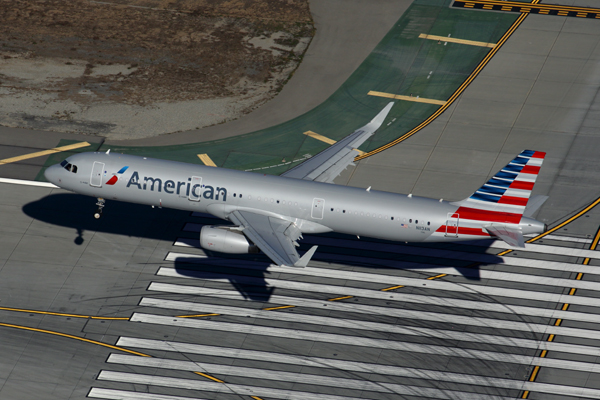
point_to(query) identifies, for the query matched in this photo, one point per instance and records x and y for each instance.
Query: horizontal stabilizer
(534, 203)
(512, 236)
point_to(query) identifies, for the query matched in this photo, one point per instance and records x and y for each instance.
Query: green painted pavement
(400, 64)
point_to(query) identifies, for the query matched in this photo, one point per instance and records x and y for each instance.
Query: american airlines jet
(271, 213)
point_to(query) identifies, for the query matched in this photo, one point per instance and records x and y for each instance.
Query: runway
(128, 307)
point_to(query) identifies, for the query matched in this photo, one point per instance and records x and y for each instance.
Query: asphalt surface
(458, 321)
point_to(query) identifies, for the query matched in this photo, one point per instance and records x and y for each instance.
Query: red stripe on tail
(521, 185)
(530, 169)
(517, 201)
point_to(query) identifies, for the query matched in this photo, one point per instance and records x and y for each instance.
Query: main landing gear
(100, 205)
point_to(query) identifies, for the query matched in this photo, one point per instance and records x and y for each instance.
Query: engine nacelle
(225, 240)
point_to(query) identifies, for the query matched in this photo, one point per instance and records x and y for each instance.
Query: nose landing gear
(100, 205)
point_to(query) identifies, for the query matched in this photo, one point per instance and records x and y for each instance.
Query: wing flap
(328, 164)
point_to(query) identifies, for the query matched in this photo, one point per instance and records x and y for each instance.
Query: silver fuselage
(313, 206)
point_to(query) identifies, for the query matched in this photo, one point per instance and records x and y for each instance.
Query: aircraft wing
(328, 164)
(276, 237)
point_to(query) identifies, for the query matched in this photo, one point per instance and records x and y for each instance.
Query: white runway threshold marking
(343, 365)
(365, 342)
(416, 315)
(279, 393)
(390, 280)
(373, 294)
(321, 380)
(112, 394)
(382, 327)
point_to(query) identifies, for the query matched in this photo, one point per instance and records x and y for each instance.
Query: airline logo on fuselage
(115, 178)
(177, 187)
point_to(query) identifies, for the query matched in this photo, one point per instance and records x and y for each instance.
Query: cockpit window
(69, 167)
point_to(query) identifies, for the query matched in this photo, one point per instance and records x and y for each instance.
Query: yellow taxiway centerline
(207, 160)
(322, 138)
(455, 95)
(74, 337)
(454, 40)
(61, 314)
(407, 98)
(44, 152)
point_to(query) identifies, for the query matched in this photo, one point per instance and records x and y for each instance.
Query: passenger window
(410, 221)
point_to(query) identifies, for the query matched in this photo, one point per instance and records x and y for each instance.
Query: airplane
(271, 213)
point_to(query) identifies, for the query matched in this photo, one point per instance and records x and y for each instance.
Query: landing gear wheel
(100, 205)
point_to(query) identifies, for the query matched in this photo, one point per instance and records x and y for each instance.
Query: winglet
(379, 118)
(303, 261)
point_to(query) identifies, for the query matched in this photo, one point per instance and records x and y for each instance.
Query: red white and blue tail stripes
(502, 199)
(508, 191)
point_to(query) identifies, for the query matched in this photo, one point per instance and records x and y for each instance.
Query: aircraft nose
(52, 174)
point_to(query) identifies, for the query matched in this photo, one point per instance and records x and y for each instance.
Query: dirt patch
(71, 60)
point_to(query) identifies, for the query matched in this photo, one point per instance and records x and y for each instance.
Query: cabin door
(97, 170)
(195, 188)
(317, 208)
(452, 225)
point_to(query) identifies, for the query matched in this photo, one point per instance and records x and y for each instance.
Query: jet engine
(225, 240)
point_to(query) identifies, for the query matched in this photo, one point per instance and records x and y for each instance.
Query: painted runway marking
(216, 387)
(455, 95)
(344, 365)
(392, 345)
(406, 98)
(320, 137)
(207, 160)
(111, 394)
(325, 139)
(412, 282)
(303, 378)
(345, 323)
(455, 40)
(44, 152)
(532, 8)
(366, 294)
(467, 320)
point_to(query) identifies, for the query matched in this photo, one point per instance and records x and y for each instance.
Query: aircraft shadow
(74, 211)
(247, 273)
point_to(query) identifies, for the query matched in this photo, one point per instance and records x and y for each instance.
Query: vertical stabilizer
(504, 197)
(496, 208)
